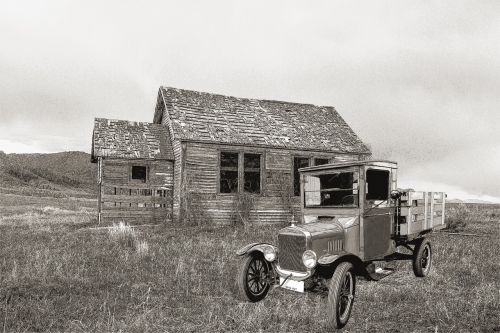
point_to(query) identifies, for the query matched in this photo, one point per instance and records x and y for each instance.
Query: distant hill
(471, 201)
(57, 172)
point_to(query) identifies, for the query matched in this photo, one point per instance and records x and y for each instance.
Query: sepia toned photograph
(249, 166)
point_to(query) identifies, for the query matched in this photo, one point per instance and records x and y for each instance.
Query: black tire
(254, 278)
(422, 258)
(341, 292)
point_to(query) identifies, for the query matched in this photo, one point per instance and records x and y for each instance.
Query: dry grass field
(57, 274)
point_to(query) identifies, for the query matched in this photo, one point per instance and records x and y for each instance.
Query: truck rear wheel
(422, 258)
(342, 288)
(254, 278)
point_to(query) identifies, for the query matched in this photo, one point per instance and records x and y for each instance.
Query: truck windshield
(334, 189)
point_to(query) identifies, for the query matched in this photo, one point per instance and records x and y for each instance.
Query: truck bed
(420, 211)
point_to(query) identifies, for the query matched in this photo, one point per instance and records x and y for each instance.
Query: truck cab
(355, 195)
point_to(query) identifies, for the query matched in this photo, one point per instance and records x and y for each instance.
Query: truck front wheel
(254, 278)
(342, 288)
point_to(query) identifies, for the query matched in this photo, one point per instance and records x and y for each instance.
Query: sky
(418, 81)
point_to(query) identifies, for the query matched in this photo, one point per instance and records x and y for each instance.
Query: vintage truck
(353, 218)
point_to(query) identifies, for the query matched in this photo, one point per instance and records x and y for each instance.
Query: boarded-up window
(320, 161)
(298, 162)
(251, 173)
(228, 172)
(139, 173)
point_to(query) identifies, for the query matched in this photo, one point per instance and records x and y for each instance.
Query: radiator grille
(291, 248)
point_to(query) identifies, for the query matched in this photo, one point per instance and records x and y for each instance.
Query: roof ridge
(124, 120)
(244, 98)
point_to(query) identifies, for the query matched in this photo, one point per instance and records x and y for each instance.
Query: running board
(380, 273)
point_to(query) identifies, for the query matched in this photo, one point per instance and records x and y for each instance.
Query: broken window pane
(298, 162)
(251, 173)
(139, 173)
(228, 172)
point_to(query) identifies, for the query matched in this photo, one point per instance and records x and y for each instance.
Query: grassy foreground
(56, 274)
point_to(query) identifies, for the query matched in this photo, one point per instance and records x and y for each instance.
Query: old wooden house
(210, 158)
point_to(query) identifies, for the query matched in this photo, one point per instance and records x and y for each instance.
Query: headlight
(309, 259)
(269, 253)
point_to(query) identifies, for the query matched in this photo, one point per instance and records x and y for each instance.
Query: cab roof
(376, 163)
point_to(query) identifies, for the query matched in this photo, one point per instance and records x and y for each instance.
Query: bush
(123, 234)
(127, 238)
(243, 204)
(457, 218)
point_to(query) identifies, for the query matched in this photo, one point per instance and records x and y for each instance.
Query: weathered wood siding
(177, 173)
(132, 201)
(200, 176)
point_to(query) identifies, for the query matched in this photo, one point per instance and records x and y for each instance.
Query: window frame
(252, 170)
(135, 180)
(241, 170)
(220, 169)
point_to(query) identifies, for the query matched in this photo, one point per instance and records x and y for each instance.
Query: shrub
(127, 238)
(457, 218)
(123, 234)
(243, 204)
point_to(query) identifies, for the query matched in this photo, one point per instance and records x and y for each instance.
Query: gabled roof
(199, 116)
(130, 139)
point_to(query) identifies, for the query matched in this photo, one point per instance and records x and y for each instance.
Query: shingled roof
(205, 117)
(129, 139)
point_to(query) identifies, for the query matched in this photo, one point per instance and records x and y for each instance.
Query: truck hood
(329, 228)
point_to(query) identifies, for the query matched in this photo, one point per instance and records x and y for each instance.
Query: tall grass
(126, 237)
(62, 278)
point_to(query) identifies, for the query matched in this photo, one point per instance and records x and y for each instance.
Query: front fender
(329, 259)
(332, 260)
(253, 247)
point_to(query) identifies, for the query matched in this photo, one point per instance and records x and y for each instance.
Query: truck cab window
(339, 189)
(377, 184)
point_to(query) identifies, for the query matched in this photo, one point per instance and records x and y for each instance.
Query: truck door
(377, 214)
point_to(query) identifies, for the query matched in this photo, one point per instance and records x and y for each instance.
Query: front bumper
(292, 275)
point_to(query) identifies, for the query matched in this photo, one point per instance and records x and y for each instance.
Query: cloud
(416, 80)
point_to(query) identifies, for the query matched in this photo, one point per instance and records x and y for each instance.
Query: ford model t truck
(353, 218)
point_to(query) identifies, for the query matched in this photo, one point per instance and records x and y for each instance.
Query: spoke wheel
(422, 258)
(342, 288)
(254, 278)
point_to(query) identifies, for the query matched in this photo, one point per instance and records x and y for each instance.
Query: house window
(140, 173)
(251, 173)
(321, 161)
(228, 172)
(298, 162)
(231, 171)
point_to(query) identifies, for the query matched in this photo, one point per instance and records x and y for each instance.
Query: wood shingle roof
(130, 140)
(206, 117)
